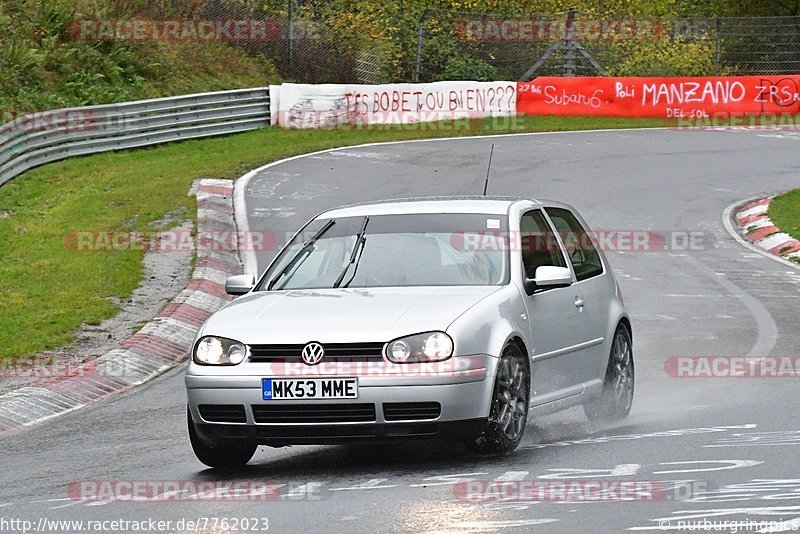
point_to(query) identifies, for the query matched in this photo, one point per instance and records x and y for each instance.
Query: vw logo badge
(312, 353)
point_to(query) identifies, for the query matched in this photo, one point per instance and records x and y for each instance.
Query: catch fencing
(319, 41)
(521, 47)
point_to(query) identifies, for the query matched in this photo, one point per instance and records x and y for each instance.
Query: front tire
(616, 398)
(509, 411)
(224, 453)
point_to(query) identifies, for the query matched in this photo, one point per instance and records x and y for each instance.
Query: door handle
(579, 303)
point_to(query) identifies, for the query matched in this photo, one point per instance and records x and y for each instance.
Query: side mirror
(548, 277)
(239, 284)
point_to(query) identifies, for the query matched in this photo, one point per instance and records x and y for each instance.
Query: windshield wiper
(301, 253)
(359, 246)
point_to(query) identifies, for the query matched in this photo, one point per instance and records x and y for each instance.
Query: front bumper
(463, 394)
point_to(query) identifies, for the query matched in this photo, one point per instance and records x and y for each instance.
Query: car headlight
(427, 347)
(219, 351)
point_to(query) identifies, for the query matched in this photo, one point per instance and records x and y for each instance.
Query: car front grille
(223, 413)
(314, 413)
(339, 352)
(316, 434)
(343, 433)
(411, 411)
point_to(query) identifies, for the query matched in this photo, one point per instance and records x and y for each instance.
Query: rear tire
(509, 411)
(224, 453)
(616, 398)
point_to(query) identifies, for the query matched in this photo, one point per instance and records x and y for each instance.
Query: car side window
(539, 243)
(578, 242)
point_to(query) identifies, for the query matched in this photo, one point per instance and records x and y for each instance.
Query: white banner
(274, 104)
(330, 105)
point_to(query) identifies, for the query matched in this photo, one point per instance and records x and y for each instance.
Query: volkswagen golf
(441, 317)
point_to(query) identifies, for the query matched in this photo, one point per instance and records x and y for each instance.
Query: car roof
(493, 205)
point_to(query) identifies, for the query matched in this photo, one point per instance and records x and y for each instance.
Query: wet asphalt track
(737, 439)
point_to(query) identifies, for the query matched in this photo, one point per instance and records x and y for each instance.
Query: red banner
(668, 98)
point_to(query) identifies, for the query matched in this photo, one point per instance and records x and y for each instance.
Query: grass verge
(784, 210)
(49, 290)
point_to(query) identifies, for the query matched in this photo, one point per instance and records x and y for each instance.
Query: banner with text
(331, 105)
(668, 98)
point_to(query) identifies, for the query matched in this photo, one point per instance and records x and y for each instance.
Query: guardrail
(39, 138)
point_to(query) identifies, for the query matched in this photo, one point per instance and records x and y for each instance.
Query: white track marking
(727, 464)
(303, 490)
(622, 470)
(373, 483)
(759, 439)
(490, 526)
(626, 437)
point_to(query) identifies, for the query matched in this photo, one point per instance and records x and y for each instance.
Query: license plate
(309, 388)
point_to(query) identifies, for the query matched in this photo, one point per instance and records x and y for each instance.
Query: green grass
(784, 210)
(49, 289)
(44, 65)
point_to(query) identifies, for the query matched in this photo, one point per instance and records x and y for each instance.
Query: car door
(551, 314)
(590, 294)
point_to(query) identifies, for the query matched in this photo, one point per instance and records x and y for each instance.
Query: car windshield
(394, 250)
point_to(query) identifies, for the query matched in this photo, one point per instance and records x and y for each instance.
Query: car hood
(341, 315)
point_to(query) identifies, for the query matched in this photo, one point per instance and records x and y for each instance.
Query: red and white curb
(756, 226)
(158, 346)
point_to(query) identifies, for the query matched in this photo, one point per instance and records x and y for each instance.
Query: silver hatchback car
(413, 318)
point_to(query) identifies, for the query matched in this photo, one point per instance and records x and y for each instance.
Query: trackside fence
(34, 139)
